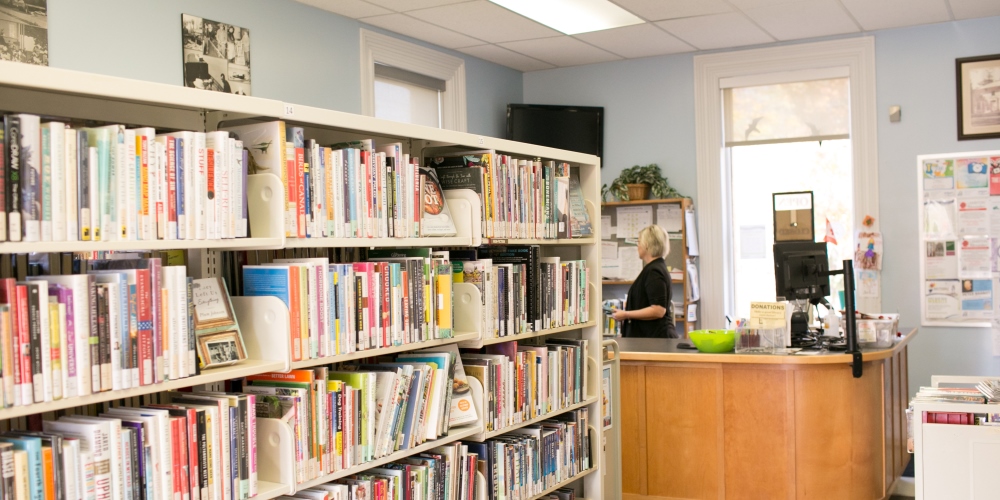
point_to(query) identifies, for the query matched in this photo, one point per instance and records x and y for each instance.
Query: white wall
(299, 54)
(650, 119)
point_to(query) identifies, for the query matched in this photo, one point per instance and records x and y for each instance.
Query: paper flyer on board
(941, 299)
(974, 258)
(668, 216)
(939, 215)
(631, 264)
(971, 173)
(868, 284)
(631, 220)
(939, 174)
(973, 216)
(606, 231)
(940, 260)
(977, 299)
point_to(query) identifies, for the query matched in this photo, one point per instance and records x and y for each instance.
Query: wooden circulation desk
(711, 426)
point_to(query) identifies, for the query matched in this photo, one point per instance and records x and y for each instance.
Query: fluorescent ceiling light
(573, 16)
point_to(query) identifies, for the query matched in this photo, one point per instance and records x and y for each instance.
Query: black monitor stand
(850, 317)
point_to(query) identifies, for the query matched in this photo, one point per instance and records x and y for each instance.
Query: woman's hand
(620, 315)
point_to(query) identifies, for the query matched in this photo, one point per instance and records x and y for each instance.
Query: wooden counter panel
(889, 418)
(759, 407)
(839, 438)
(633, 431)
(684, 431)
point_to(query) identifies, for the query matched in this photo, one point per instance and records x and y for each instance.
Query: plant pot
(637, 191)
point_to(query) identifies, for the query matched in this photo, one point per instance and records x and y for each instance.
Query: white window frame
(711, 71)
(376, 47)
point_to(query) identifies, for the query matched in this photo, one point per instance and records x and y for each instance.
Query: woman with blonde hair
(648, 312)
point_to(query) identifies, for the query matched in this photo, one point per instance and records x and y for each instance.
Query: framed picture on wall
(978, 90)
(216, 55)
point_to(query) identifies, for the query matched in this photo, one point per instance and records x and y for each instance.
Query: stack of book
(352, 414)
(522, 382)
(128, 322)
(447, 472)
(347, 190)
(394, 298)
(520, 198)
(530, 460)
(522, 292)
(111, 183)
(200, 446)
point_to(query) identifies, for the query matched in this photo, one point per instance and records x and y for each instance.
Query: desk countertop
(665, 350)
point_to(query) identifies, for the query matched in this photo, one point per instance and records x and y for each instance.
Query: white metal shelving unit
(79, 96)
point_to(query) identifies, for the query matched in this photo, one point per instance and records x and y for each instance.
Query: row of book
(520, 198)
(447, 473)
(128, 322)
(609, 326)
(523, 382)
(523, 292)
(347, 190)
(354, 414)
(394, 298)
(200, 446)
(59, 182)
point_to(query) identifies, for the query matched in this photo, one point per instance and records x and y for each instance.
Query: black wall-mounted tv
(574, 128)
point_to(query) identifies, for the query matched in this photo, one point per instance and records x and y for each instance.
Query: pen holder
(757, 340)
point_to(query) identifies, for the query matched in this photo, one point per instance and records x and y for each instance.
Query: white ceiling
(487, 31)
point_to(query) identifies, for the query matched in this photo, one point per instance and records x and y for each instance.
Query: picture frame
(221, 349)
(977, 90)
(215, 55)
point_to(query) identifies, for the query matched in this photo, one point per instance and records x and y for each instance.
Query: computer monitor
(801, 271)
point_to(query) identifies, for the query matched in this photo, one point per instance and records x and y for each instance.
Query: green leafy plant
(641, 174)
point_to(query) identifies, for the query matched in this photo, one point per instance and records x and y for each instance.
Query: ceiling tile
(716, 31)
(882, 14)
(504, 57)
(561, 51)
(968, 9)
(348, 8)
(405, 5)
(642, 40)
(753, 4)
(794, 21)
(406, 25)
(658, 10)
(485, 21)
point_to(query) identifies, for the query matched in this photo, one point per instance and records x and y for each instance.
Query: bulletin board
(959, 224)
(621, 224)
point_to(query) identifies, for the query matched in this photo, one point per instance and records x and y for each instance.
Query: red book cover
(12, 345)
(294, 312)
(24, 340)
(374, 304)
(172, 182)
(144, 317)
(176, 447)
(300, 192)
(300, 376)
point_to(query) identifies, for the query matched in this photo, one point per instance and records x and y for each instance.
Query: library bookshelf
(90, 98)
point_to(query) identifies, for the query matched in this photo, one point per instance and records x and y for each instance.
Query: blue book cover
(409, 418)
(261, 281)
(179, 191)
(33, 447)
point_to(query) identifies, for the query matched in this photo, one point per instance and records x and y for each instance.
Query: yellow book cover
(55, 348)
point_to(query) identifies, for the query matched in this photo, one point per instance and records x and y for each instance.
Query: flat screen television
(574, 128)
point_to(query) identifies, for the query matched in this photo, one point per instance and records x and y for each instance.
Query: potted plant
(636, 182)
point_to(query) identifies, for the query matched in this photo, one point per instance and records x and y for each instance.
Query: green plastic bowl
(714, 341)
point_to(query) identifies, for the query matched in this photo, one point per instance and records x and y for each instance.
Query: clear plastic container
(758, 341)
(876, 333)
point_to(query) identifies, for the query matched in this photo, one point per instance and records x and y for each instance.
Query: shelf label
(289, 110)
(482, 140)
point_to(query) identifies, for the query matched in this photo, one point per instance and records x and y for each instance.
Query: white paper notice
(693, 292)
(692, 233)
(868, 284)
(941, 299)
(669, 217)
(974, 258)
(939, 215)
(692, 313)
(940, 261)
(753, 242)
(631, 264)
(631, 220)
(974, 216)
(609, 250)
(606, 227)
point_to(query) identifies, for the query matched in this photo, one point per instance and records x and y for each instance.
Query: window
(407, 82)
(816, 104)
(404, 96)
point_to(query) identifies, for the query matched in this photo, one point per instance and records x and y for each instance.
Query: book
(436, 219)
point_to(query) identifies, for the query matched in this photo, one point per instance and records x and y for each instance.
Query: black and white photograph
(216, 55)
(24, 31)
(978, 80)
(221, 349)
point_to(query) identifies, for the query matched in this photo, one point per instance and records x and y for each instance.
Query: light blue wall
(299, 54)
(649, 105)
